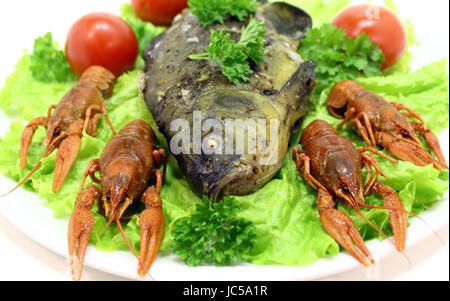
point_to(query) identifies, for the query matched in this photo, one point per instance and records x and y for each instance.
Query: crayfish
(381, 123)
(79, 110)
(331, 165)
(126, 167)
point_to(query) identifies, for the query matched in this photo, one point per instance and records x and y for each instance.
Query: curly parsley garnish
(253, 40)
(49, 64)
(214, 233)
(216, 11)
(339, 58)
(233, 57)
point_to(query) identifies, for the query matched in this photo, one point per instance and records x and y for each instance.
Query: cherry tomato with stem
(380, 24)
(101, 39)
(158, 12)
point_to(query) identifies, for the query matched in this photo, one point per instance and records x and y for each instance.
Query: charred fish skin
(176, 87)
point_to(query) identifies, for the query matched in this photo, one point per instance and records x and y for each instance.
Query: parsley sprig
(48, 63)
(339, 58)
(214, 233)
(253, 40)
(233, 57)
(216, 11)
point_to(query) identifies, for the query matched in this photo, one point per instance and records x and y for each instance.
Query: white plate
(26, 212)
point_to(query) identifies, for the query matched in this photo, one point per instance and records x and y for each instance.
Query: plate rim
(93, 256)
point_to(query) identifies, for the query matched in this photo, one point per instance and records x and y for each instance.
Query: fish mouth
(244, 183)
(218, 192)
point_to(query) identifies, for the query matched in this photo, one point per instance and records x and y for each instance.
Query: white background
(22, 21)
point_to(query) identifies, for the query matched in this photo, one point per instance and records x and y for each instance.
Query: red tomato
(380, 24)
(158, 12)
(101, 39)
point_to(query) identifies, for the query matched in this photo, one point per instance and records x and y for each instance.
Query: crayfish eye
(56, 133)
(108, 197)
(345, 189)
(405, 134)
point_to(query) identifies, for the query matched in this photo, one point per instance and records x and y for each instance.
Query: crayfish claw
(81, 224)
(152, 223)
(408, 151)
(67, 154)
(340, 226)
(27, 136)
(397, 214)
(79, 243)
(433, 143)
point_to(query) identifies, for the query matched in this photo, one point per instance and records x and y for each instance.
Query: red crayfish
(331, 165)
(79, 110)
(126, 167)
(381, 123)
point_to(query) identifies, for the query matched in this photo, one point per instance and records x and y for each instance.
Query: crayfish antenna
(126, 239)
(412, 214)
(24, 180)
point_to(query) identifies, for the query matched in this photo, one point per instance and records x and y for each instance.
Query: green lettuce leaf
(48, 63)
(20, 86)
(321, 11)
(145, 31)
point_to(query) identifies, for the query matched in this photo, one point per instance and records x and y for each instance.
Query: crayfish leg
(362, 131)
(303, 161)
(157, 155)
(91, 119)
(411, 113)
(348, 115)
(93, 125)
